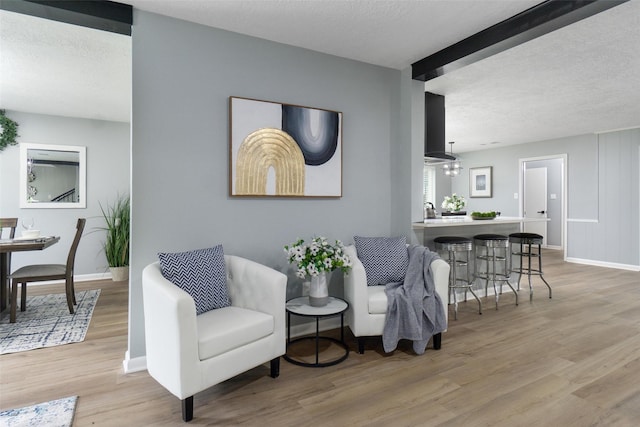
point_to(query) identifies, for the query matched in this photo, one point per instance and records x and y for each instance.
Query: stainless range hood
(434, 127)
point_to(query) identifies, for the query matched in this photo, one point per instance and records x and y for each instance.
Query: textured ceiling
(49, 67)
(584, 78)
(580, 79)
(390, 33)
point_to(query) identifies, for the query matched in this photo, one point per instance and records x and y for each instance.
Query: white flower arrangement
(317, 256)
(453, 203)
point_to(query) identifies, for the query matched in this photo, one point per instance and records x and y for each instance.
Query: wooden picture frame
(481, 182)
(283, 150)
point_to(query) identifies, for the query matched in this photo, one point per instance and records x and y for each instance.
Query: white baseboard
(134, 365)
(94, 276)
(629, 267)
(77, 278)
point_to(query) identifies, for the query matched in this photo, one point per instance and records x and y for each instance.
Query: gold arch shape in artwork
(264, 149)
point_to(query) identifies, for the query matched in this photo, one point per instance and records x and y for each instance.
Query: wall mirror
(52, 176)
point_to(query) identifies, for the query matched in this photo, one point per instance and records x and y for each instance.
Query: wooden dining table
(18, 245)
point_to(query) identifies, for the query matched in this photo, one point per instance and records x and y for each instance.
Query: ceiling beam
(101, 15)
(534, 22)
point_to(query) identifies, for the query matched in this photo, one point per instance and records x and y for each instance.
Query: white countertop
(454, 221)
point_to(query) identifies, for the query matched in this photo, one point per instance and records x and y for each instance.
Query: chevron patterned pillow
(200, 273)
(385, 259)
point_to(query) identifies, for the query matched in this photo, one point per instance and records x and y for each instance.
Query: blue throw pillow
(385, 259)
(201, 273)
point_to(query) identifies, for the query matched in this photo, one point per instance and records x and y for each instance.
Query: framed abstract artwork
(480, 181)
(283, 150)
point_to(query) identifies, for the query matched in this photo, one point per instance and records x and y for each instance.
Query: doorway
(543, 195)
(535, 200)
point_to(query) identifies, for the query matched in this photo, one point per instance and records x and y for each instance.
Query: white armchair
(368, 304)
(187, 353)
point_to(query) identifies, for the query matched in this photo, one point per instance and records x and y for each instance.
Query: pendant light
(453, 167)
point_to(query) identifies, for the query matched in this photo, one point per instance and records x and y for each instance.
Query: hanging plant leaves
(8, 131)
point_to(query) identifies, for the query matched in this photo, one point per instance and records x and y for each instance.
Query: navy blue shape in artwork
(319, 145)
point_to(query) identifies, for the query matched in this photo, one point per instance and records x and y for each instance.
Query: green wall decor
(9, 131)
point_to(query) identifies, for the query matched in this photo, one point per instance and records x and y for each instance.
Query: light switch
(515, 195)
(552, 196)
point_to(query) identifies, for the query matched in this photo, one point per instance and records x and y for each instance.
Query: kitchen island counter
(456, 221)
(464, 226)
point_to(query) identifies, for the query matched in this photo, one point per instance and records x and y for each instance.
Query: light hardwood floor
(573, 360)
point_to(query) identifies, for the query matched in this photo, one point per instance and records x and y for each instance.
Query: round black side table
(300, 307)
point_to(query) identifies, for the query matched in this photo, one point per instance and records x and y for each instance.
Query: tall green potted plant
(116, 245)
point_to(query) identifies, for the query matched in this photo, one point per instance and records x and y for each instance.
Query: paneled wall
(613, 236)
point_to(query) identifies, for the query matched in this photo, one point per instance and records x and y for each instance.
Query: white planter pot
(119, 274)
(319, 292)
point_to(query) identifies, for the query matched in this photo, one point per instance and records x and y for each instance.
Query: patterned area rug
(47, 322)
(56, 413)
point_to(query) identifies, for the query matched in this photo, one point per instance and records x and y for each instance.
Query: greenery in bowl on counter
(483, 214)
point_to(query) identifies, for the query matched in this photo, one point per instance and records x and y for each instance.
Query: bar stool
(525, 242)
(453, 245)
(493, 244)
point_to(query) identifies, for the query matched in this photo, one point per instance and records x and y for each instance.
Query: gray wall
(582, 158)
(183, 74)
(602, 191)
(406, 160)
(107, 175)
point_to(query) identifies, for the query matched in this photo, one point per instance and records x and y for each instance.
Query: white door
(535, 200)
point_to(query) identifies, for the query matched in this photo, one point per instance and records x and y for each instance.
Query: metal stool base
(525, 242)
(452, 247)
(491, 243)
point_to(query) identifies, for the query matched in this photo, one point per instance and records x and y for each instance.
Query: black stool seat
(526, 235)
(491, 240)
(453, 243)
(452, 239)
(489, 237)
(526, 238)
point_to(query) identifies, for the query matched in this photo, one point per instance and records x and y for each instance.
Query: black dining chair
(44, 272)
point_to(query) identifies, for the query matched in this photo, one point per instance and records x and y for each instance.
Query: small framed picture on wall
(481, 181)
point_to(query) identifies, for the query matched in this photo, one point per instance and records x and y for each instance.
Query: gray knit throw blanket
(414, 311)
